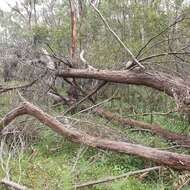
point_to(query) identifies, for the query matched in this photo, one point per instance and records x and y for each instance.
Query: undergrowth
(52, 162)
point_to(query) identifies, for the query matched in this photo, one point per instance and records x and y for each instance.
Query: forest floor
(51, 162)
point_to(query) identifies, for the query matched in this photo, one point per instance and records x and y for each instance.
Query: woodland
(95, 94)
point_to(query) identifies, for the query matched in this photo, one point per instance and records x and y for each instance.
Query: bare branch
(109, 179)
(159, 34)
(163, 54)
(12, 185)
(86, 97)
(175, 160)
(6, 89)
(117, 37)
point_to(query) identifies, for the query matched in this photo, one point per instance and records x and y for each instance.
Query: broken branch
(113, 178)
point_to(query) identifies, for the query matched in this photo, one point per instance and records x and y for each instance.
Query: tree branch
(13, 185)
(6, 89)
(154, 128)
(109, 179)
(175, 160)
(86, 97)
(117, 37)
(159, 34)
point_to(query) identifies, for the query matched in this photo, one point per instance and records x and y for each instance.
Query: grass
(52, 167)
(51, 162)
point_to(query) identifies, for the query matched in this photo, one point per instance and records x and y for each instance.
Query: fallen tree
(175, 160)
(154, 128)
(113, 178)
(173, 86)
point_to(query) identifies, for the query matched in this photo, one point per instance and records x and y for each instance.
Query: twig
(108, 179)
(157, 35)
(5, 89)
(75, 84)
(67, 62)
(184, 184)
(164, 54)
(117, 37)
(175, 146)
(154, 113)
(80, 153)
(94, 106)
(86, 97)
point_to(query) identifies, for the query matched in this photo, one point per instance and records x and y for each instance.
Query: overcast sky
(4, 6)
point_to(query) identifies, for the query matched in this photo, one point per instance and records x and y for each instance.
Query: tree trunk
(154, 128)
(175, 87)
(73, 28)
(175, 160)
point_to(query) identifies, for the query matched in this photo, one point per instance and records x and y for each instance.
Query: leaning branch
(175, 160)
(6, 89)
(117, 37)
(163, 54)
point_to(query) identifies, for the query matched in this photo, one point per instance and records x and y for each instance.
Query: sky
(4, 6)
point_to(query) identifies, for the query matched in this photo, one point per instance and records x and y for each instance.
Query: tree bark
(175, 160)
(73, 28)
(113, 178)
(13, 185)
(173, 86)
(154, 128)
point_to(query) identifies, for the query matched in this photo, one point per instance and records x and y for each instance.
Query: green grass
(52, 167)
(59, 164)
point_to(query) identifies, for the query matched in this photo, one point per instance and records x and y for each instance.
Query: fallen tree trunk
(175, 160)
(155, 128)
(173, 86)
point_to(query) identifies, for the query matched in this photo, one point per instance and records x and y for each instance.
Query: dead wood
(6, 89)
(155, 128)
(117, 37)
(175, 160)
(173, 86)
(12, 185)
(86, 97)
(113, 178)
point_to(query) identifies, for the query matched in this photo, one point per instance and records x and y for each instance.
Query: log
(171, 85)
(154, 128)
(174, 160)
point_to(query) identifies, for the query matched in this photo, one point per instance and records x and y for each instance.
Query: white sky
(4, 6)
